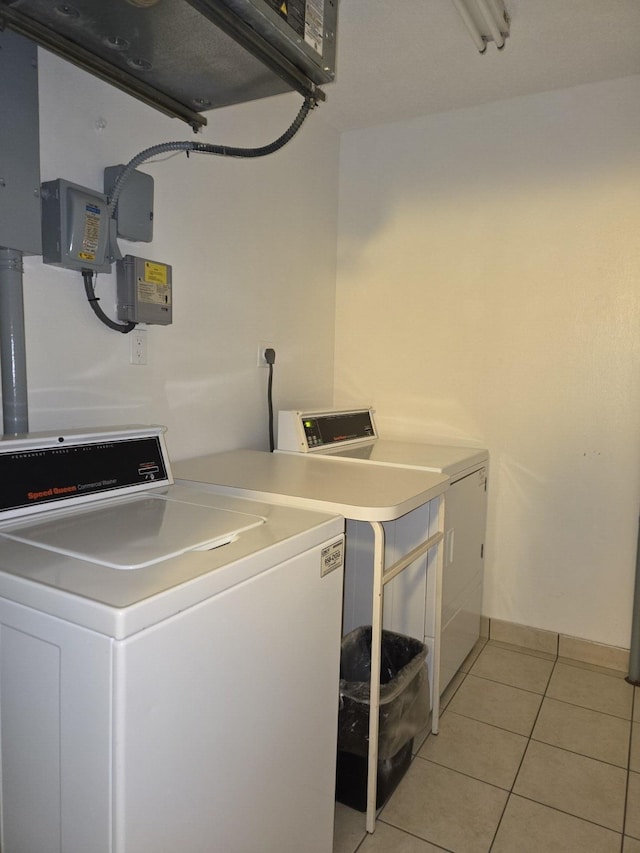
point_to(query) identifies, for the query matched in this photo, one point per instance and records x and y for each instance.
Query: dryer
(352, 435)
(169, 658)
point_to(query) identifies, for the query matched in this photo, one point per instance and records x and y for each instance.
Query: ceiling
(399, 60)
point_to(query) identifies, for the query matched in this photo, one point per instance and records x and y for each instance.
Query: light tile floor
(535, 754)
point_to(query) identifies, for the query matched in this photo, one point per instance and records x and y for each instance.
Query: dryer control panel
(315, 431)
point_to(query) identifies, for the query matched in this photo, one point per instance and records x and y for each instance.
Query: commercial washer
(169, 658)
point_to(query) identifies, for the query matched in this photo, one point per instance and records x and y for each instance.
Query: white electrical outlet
(138, 344)
(262, 346)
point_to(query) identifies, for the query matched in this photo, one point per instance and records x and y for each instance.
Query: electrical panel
(144, 291)
(75, 227)
(134, 213)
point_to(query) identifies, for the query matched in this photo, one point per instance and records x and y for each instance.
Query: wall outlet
(262, 346)
(138, 344)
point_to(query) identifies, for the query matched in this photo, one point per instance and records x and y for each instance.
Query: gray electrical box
(75, 227)
(134, 214)
(19, 148)
(144, 291)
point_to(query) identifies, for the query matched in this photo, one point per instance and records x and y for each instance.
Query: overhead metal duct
(185, 57)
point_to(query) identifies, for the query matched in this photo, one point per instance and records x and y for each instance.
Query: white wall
(252, 245)
(488, 294)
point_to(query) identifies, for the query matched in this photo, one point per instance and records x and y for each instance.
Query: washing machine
(169, 658)
(352, 435)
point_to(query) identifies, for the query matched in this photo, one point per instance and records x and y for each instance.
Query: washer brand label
(332, 557)
(49, 493)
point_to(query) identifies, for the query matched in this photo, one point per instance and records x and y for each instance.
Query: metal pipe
(13, 358)
(634, 653)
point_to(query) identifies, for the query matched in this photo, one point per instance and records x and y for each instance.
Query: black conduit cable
(87, 276)
(199, 148)
(206, 148)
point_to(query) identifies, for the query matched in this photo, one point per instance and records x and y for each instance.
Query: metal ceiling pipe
(634, 653)
(13, 357)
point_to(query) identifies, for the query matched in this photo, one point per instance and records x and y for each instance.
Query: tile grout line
(570, 814)
(571, 751)
(580, 754)
(540, 654)
(626, 770)
(494, 681)
(592, 667)
(489, 725)
(463, 773)
(529, 738)
(626, 790)
(412, 835)
(515, 778)
(379, 817)
(593, 710)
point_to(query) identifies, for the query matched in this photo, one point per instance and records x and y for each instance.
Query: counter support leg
(376, 653)
(437, 634)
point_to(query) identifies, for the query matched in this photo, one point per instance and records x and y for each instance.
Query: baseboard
(599, 654)
(536, 639)
(562, 645)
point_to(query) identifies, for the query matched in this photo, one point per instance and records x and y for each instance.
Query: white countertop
(358, 492)
(444, 458)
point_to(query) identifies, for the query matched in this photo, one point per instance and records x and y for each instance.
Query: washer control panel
(40, 471)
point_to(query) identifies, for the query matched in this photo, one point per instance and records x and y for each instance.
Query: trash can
(404, 711)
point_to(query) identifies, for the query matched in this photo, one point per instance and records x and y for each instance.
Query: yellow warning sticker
(86, 256)
(155, 273)
(283, 8)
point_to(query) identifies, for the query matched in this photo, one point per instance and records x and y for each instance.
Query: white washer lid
(133, 532)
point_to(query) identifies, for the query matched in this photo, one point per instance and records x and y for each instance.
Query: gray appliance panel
(181, 56)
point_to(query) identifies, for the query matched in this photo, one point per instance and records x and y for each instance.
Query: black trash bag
(404, 692)
(352, 772)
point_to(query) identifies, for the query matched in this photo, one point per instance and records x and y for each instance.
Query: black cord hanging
(125, 328)
(270, 358)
